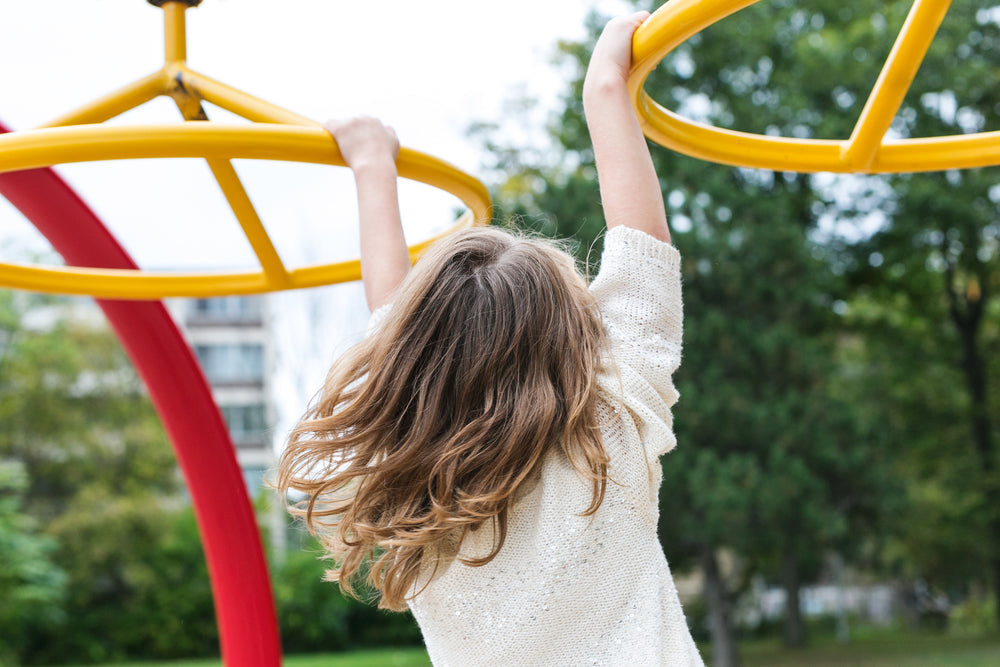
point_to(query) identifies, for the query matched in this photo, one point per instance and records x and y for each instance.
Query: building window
(247, 423)
(232, 363)
(228, 309)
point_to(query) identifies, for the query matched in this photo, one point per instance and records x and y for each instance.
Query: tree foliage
(31, 585)
(100, 477)
(932, 266)
(101, 554)
(837, 326)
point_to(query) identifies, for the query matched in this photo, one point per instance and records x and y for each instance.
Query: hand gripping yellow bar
(277, 134)
(867, 150)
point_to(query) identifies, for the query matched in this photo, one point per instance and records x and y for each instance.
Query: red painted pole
(244, 605)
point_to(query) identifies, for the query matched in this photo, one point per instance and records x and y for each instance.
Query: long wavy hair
(428, 428)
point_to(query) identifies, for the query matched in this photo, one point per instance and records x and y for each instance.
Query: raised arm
(370, 149)
(630, 190)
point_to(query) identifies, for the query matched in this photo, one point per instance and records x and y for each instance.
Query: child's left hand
(363, 141)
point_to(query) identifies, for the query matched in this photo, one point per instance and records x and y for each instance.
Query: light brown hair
(428, 428)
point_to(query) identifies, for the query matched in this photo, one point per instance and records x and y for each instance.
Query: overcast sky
(428, 68)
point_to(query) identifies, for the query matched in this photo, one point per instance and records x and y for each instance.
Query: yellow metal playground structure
(866, 151)
(276, 134)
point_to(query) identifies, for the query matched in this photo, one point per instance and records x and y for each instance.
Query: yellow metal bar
(40, 148)
(238, 102)
(113, 104)
(670, 25)
(174, 32)
(326, 274)
(238, 199)
(243, 209)
(735, 148)
(127, 283)
(314, 276)
(146, 285)
(678, 20)
(92, 143)
(897, 74)
(969, 151)
(261, 141)
(784, 154)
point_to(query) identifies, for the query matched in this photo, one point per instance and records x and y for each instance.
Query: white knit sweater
(567, 589)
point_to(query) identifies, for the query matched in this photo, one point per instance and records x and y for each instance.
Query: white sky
(428, 68)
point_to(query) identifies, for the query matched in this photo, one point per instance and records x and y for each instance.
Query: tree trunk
(967, 321)
(795, 630)
(996, 583)
(725, 653)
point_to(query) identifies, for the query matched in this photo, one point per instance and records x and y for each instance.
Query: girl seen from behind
(489, 454)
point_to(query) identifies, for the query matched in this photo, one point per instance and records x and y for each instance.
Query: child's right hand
(630, 190)
(612, 57)
(364, 141)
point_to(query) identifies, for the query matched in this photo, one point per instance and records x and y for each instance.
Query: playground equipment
(244, 605)
(98, 266)
(866, 151)
(276, 135)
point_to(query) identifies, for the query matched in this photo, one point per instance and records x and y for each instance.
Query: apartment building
(233, 343)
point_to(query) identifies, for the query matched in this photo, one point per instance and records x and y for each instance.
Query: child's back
(490, 451)
(571, 589)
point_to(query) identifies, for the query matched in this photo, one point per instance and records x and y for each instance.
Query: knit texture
(567, 589)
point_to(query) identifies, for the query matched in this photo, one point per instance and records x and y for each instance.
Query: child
(489, 454)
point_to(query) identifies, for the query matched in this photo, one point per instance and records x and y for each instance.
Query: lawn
(885, 651)
(401, 657)
(891, 651)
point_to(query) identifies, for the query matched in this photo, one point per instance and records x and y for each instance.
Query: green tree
(104, 547)
(934, 263)
(314, 616)
(312, 612)
(101, 478)
(31, 585)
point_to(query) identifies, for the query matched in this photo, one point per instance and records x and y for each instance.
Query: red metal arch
(244, 605)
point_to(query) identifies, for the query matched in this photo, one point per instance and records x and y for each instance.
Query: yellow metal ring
(260, 141)
(678, 20)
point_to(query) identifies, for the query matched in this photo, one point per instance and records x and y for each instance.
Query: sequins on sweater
(597, 590)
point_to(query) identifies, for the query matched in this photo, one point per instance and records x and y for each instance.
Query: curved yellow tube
(867, 151)
(142, 285)
(262, 141)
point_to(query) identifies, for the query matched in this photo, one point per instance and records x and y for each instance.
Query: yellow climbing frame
(276, 135)
(866, 151)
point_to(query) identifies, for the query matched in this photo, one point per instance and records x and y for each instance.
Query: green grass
(391, 657)
(888, 651)
(891, 650)
(408, 657)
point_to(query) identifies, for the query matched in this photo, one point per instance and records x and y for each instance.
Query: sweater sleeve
(377, 318)
(638, 291)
